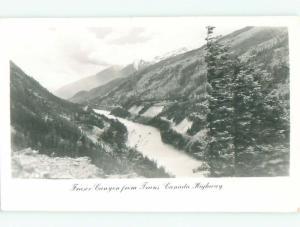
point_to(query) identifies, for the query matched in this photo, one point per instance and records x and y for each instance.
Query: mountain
(86, 93)
(41, 120)
(172, 94)
(128, 70)
(101, 78)
(84, 96)
(89, 82)
(54, 127)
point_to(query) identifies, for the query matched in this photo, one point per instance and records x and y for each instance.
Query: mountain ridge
(89, 82)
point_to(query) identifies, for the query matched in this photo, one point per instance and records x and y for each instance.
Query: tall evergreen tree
(221, 69)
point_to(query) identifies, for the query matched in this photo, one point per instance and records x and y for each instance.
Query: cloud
(82, 55)
(88, 59)
(80, 50)
(100, 32)
(52, 29)
(134, 36)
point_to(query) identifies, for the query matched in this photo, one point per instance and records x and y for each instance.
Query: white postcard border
(278, 194)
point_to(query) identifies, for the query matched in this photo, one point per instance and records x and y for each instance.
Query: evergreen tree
(274, 112)
(221, 68)
(247, 100)
(260, 121)
(273, 130)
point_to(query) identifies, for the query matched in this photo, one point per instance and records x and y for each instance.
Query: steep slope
(101, 78)
(131, 69)
(54, 126)
(85, 96)
(58, 128)
(90, 82)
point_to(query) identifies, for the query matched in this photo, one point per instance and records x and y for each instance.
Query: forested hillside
(58, 128)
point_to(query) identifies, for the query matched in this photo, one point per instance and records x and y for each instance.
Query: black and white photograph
(118, 100)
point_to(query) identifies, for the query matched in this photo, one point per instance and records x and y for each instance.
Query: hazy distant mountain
(131, 69)
(89, 82)
(85, 96)
(99, 79)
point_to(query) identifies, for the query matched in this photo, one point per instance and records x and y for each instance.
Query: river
(147, 140)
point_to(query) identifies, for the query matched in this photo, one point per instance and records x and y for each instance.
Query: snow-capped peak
(139, 63)
(169, 54)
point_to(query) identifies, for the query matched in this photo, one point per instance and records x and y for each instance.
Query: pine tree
(273, 111)
(273, 130)
(220, 73)
(260, 121)
(247, 100)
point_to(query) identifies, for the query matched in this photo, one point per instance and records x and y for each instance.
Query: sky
(57, 52)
